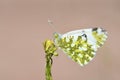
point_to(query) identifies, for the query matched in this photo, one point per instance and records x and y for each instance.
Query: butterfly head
(57, 37)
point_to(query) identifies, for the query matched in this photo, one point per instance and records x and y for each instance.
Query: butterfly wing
(81, 45)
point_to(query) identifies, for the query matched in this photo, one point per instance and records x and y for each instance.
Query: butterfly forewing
(81, 45)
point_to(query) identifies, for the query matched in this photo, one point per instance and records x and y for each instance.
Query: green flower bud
(49, 47)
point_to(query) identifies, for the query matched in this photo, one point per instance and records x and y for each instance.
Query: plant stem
(48, 73)
(50, 49)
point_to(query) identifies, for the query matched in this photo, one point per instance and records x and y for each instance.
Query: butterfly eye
(56, 35)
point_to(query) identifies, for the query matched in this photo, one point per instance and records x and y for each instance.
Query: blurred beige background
(23, 28)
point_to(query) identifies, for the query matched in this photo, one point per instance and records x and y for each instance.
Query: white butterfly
(81, 45)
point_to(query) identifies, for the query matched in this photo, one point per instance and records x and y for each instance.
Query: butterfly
(81, 45)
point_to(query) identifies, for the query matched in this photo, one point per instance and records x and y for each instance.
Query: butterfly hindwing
(81, 45)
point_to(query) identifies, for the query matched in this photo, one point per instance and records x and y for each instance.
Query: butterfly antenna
(52, 25)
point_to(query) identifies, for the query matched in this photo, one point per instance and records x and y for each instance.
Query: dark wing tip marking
(94, 29)
(97, 28)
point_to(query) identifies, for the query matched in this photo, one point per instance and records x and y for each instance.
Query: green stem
(50, 49)
(48, 73)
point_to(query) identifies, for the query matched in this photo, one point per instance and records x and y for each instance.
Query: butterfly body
(81, 45)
